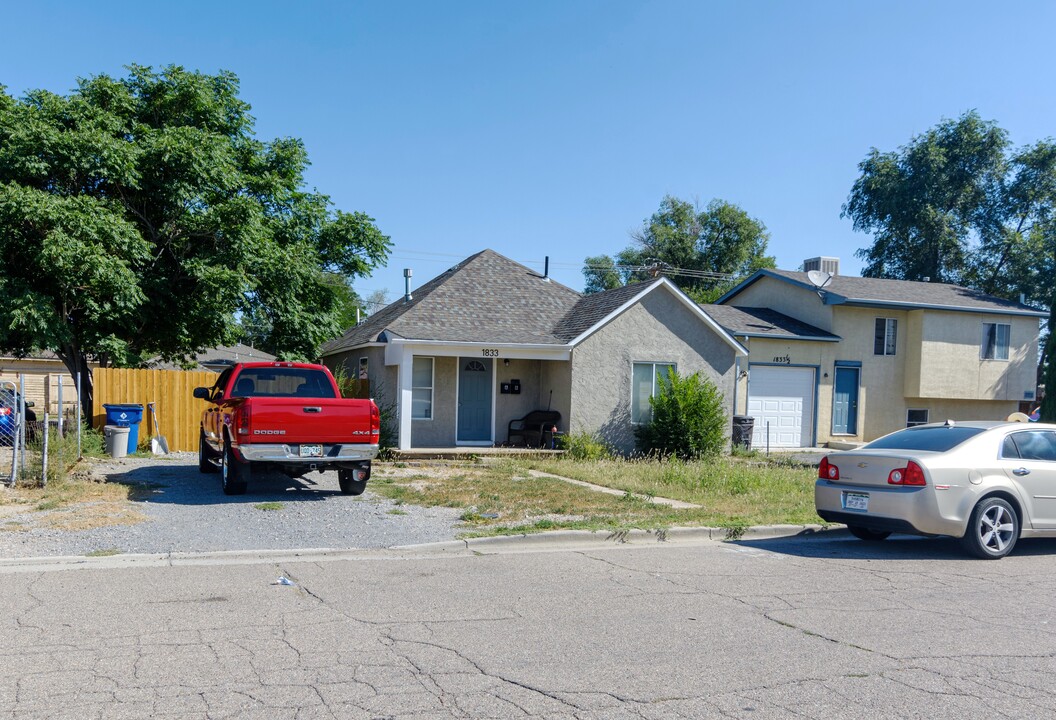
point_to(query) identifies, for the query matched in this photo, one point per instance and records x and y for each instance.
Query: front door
(474, 400)
(845, 401)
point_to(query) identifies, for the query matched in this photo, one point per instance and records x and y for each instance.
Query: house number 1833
(490, 352)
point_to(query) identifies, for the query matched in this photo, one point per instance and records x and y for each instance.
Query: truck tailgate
(308, 420)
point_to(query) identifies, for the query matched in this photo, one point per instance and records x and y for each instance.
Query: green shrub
(689, 420)
(581, 445)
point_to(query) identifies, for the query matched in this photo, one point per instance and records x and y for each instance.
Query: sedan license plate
(311, 450)
(856, 501)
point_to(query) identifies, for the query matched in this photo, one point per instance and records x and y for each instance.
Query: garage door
(784, 398)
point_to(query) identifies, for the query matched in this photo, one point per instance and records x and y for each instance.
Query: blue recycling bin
(126, 416)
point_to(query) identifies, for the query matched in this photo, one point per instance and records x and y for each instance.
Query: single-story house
(858, 358)
(490, 340)
(218, 359)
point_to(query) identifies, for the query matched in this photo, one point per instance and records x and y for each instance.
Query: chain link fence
(36, 448)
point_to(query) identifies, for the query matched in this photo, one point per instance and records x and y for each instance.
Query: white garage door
(784, 398)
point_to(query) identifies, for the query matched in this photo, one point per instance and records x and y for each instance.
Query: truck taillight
(242, 420)
(828, 471)
(911, 474)
(375, 424)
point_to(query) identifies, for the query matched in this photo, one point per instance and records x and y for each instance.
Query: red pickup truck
(289, 416)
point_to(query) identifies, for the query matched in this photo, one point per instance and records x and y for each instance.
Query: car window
(1009, 449)
(282, 382)
(937, 439)
(1033, 445)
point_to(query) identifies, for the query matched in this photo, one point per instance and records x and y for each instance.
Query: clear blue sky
(553, 128)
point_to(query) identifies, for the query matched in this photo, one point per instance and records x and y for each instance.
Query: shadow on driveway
(841, 544)
(183, 484)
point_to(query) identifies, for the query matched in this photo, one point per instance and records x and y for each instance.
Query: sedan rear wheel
(866, 534)
(992, 529)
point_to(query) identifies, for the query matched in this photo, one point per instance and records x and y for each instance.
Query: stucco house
(490, 340)
(862, 357)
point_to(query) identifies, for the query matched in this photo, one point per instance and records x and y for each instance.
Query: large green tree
(959, 204)
(139, 216)
(702, 250)
(921, 201)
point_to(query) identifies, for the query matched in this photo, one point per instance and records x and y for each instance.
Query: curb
(499, 545)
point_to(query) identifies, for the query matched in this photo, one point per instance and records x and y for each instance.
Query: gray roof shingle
(901, 293)
(764, 322)
(592, 309)
(484, 298)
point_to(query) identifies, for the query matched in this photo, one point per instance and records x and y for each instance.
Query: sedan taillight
(828, 471)
(911, 474)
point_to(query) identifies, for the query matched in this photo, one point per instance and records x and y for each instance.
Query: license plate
(856, 501)
(311, 450)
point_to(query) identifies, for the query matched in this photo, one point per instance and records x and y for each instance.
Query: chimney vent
(830, 265)
(407, 284)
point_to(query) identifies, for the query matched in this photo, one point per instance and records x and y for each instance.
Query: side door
(845, 400)
(1028, 457)
(212, 418)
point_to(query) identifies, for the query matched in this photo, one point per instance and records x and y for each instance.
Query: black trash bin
(742, 431)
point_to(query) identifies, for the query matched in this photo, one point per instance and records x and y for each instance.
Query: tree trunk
(77, 362)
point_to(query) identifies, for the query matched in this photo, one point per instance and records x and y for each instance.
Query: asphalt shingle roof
(484, 298)
(764, 322)
(873, 291)
(592, 309)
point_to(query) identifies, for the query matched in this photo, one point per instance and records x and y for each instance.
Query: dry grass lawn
(499, 497)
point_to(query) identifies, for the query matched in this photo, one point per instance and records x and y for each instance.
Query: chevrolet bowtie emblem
(863, 465)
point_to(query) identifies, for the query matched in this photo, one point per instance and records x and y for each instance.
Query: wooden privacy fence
(179, 413)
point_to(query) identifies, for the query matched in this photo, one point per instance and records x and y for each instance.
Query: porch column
(405, 399)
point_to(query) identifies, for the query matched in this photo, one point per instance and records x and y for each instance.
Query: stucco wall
(556, 377)
(950, 363)
(941, 347)
(658, 329)
(439, 431)
(786, 298)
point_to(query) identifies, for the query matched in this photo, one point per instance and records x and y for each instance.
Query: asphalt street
(820, 627)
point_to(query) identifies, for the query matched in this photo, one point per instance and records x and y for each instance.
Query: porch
(460, 398)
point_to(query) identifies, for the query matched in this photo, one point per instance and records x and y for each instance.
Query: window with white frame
(645, 383)
(995, 341)
(884, 331)
(422, 389)
(916, 416)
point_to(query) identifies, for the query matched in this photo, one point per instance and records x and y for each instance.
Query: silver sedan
(988, 483)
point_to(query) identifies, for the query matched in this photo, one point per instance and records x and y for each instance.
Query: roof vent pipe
(546, 268)
(407, 284)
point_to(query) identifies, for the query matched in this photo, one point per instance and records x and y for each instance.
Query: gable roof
(593, 309)
(764, 322)
(488, 298)
(484, 298)
(904, 294)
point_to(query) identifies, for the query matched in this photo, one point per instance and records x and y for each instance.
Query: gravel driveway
(186, 511)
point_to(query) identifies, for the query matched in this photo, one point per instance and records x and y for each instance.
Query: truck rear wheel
(234, 475)
(349, 484)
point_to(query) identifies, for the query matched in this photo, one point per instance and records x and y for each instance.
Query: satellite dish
(819, 278)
